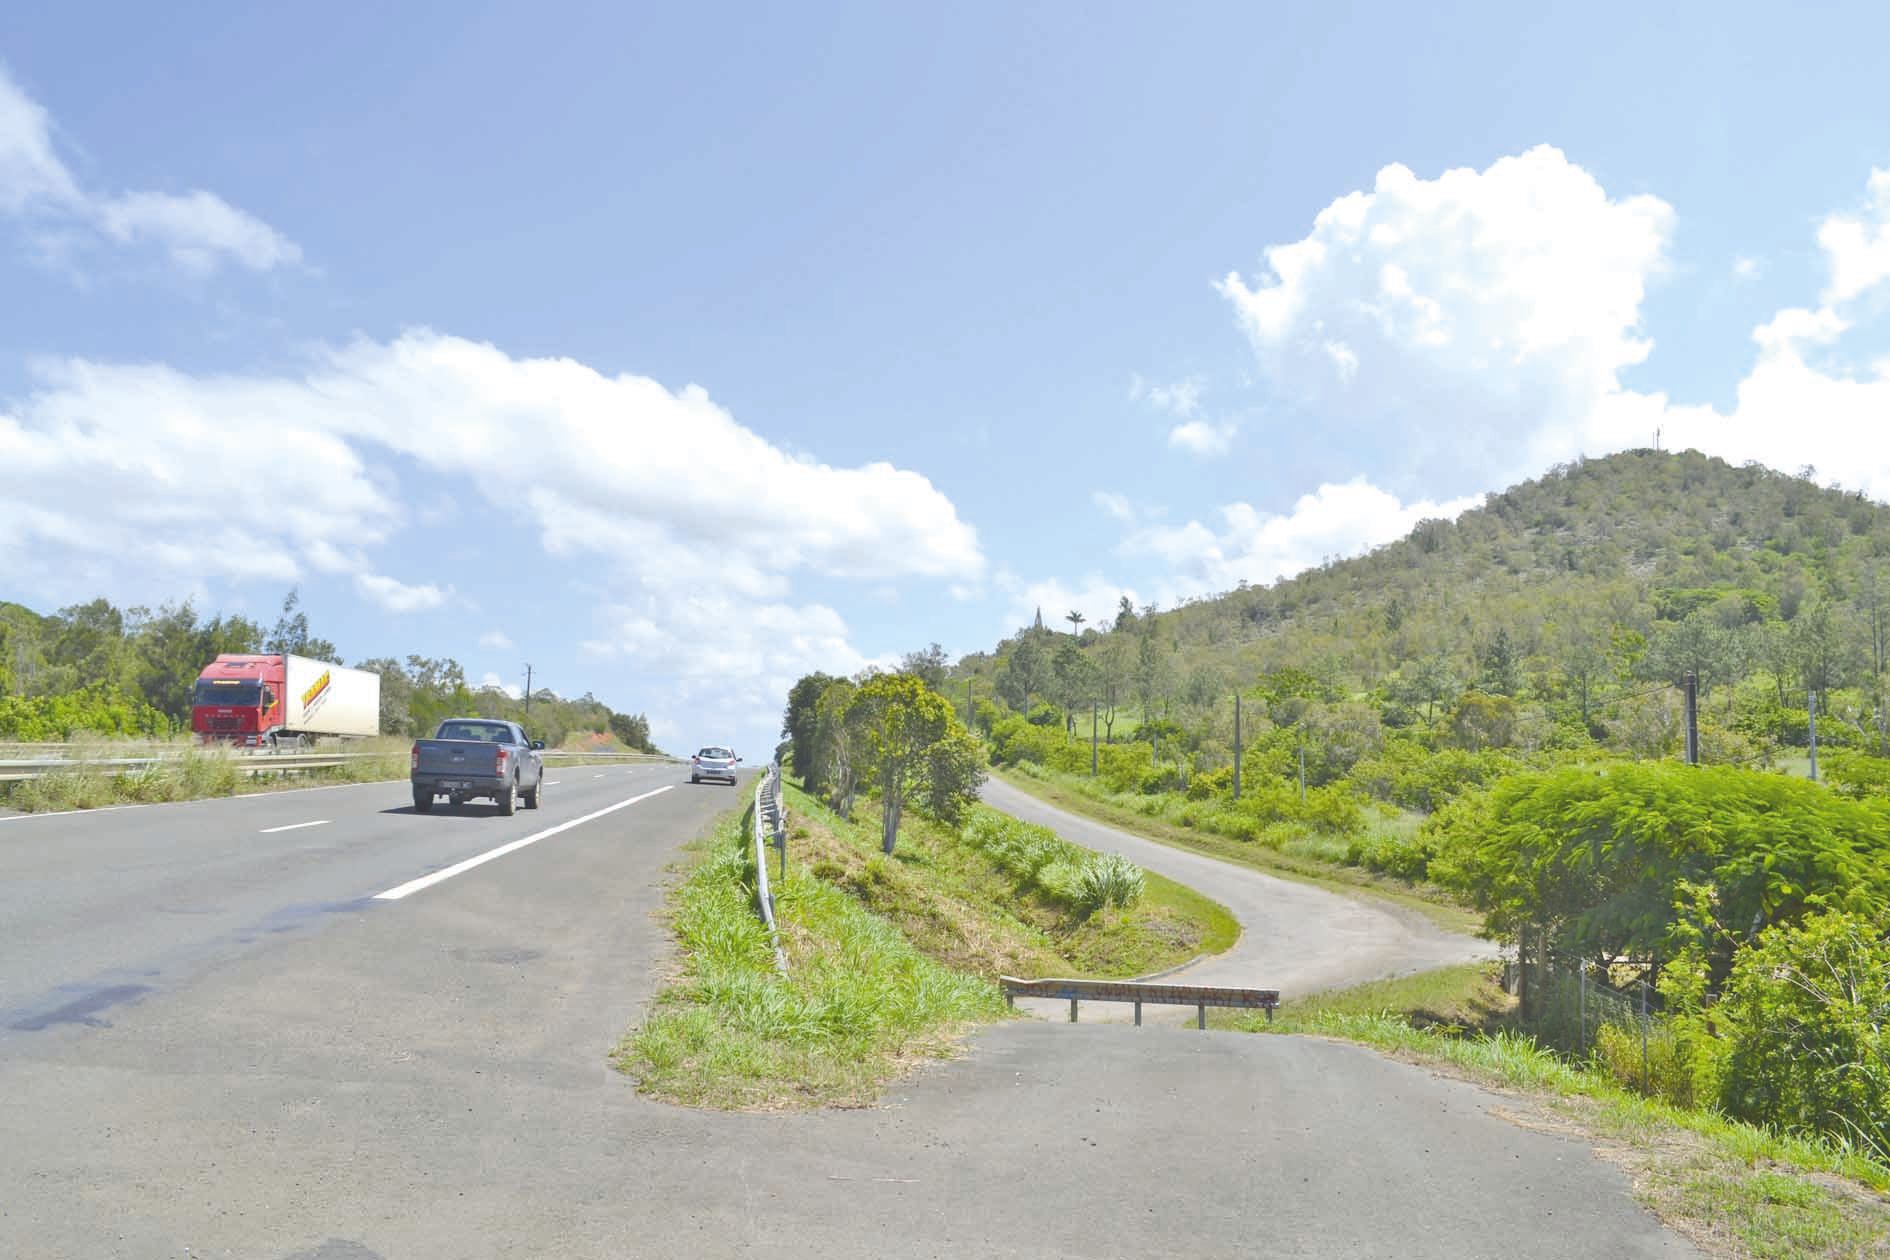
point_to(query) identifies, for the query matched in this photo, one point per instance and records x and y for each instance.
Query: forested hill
(1561, 594)
(99, 669)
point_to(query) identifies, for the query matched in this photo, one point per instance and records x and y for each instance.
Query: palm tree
(1076, 620)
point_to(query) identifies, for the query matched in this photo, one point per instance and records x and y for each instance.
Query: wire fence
(1583, 1009)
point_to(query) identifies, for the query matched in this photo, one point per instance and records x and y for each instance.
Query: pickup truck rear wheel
(422, 801)
(508, 799)
(537, 790)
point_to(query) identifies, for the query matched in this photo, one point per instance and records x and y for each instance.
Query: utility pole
(528, 689)
(1811, 718)
(1236, 745)
(1693, 718)
(1093, 706)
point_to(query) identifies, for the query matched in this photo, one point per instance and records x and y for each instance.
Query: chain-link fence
(1585, 1010)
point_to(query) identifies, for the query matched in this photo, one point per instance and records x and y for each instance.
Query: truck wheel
(508, 799)
(537, 790)
(422, 801)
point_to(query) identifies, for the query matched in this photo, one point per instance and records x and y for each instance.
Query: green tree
(291, 632)
(929, 666)
(1501, 665)
(903, 726)
(1808, 1016)
(1025, 674)
(800, 725)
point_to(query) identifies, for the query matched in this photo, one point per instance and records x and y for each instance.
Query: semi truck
(283, 701)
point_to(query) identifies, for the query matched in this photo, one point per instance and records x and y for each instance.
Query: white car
(713, 762)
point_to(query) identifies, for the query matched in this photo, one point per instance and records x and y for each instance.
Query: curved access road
(1294, 937)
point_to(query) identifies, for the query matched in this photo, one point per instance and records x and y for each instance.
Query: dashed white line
(460, 868)
(270, 831)
(553, 782)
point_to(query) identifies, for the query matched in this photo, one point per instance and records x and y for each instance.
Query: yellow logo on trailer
(316, 691)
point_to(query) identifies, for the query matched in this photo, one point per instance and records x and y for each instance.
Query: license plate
(454, 783)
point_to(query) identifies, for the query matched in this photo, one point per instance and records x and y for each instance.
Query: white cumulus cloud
(492, 682)
(1178, 398)
(697, 557)
(1249, 545)
(1113, 504)
(497, 640)
(399, 597)
(1200, 437)
(1481, 313)
(199, 230)
(1857, 246)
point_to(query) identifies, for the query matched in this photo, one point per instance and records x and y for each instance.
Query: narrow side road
(1293, 937)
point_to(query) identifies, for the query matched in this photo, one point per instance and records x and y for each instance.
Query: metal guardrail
(1199, 996)
(770, 823)
(258, 761)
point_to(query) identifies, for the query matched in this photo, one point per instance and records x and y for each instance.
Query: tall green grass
(1037, 857)
(859, 998)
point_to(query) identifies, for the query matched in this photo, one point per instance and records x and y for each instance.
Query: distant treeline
(98, 669)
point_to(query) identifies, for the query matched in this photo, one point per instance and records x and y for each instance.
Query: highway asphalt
(216, 1041)
(1295, 937)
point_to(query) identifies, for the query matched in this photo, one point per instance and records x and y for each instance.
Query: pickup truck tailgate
(448, 757)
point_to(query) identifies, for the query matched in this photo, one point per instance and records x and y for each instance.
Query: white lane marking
(553, 782)
(597, 776)
(460, 868)
(270, 831)
(66, 813)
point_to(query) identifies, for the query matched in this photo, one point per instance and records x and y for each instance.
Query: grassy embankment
(1079, 796)
(191, 772)
(890, 959)
(1734, 1189)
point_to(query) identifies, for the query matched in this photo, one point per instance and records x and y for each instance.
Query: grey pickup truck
(478, 757)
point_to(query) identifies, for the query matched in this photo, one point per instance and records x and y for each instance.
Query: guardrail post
(1138, 1012)
(1072, 1010)
(1200, 1015)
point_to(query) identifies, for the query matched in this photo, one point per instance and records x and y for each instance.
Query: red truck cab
(238, 699)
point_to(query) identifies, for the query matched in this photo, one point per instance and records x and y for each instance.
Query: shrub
(1108, 879)
(1037, 857)
(1808, 1018)
(1855, 774)
(1603, 855)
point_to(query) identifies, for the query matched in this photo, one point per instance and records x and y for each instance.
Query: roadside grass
(890, 960)
(1308, 862)
(1732, 1188)
(958, 906)
(860, 1002)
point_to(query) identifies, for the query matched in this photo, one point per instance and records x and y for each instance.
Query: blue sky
(679, 352)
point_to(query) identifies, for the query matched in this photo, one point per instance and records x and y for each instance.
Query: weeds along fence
(1581, 1009)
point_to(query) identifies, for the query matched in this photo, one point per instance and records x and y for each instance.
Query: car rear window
(489, 732)
(719, 754)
